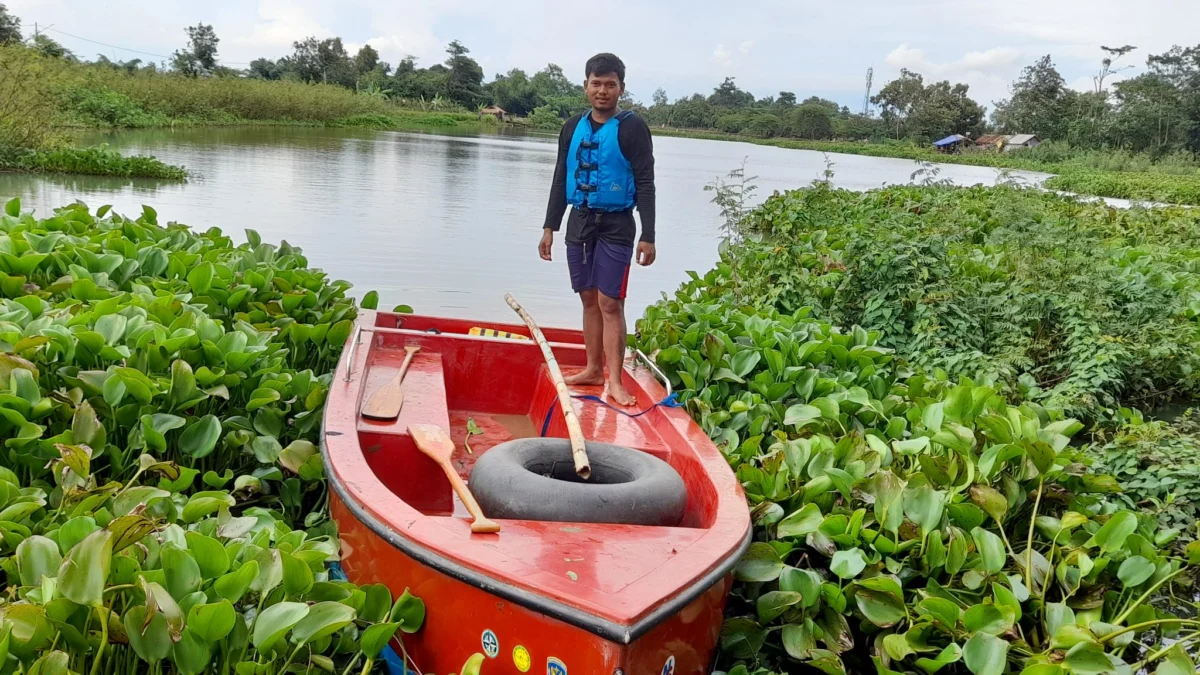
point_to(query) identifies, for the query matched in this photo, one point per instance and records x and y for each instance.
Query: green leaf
(1111, 537)
(988, 618)
(370, 300)
(848, 564)
(897, 647)
(323, 619)
(37, 557)
(84, 570)
(986, 654)
(1135, 571)
(234, 585)
(801, 414)
(201, 278)
(742, 638)
(881, 600)
(376, 637)
(209, 554)
(951, 654)
(800, 523)
(990, 500)
(1058, 615)
(991, 549)
(13, 207)
(200, 438)
(409, 611)
(772, 604)
(296, 454)
(297, 575)
(212, 621)
(799, 639)
(761, 563)
(940, 610)
(148, 634)
(191, 655)
(181, 570)
(924, 506)
(275, 621)
(1087, 658)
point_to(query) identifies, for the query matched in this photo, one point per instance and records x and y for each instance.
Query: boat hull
(540, 596)
(460, 613)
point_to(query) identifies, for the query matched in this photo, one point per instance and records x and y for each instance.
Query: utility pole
(866, 109)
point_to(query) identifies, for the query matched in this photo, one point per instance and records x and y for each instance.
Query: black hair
(605, 64)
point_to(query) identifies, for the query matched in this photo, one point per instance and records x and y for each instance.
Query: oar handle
(578, 445)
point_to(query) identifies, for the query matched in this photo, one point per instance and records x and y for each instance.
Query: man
(605, 168)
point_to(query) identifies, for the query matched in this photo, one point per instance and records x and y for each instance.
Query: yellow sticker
(521, 659)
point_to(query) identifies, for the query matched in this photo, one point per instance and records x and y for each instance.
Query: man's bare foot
(616, 391)
(585, 378)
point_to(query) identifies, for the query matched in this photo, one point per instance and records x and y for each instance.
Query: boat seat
(424, 390)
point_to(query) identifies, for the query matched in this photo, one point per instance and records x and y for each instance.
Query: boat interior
(500, 389)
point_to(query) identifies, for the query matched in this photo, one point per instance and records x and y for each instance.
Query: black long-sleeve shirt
(636, 144)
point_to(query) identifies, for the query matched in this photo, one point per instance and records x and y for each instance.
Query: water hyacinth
(904, 522)
(162, 503)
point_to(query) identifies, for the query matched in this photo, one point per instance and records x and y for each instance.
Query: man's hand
(645, 253)
(546, 244)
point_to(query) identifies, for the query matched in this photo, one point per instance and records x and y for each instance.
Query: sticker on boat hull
(521, 659)
(669, 666)
(555, 667)
(491, 645)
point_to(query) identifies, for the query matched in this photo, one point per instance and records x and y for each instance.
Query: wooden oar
(386, 401)
(578, 445)
(434, 442)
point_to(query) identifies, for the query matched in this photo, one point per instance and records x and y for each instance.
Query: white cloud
(722, 55)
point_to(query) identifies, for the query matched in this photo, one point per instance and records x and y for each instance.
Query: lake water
(445, 223)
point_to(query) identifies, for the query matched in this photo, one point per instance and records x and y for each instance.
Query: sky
(802, 46)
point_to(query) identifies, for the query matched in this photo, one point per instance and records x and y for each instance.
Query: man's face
(603, 91)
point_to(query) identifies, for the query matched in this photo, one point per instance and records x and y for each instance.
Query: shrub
(97, 161)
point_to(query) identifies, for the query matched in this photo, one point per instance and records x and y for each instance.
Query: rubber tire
(513, 481)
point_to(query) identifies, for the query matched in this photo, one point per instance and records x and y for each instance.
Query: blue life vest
(598, 175)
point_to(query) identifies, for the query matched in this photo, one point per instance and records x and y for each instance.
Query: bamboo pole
(578, 450)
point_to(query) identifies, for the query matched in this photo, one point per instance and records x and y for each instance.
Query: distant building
(991, 142)
(494, 111)
(952, 143)
(1021, 141)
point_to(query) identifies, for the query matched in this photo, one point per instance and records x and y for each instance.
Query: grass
(1173, 179)
(95, 161)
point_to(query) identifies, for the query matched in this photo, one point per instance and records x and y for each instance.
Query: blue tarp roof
(949, 140)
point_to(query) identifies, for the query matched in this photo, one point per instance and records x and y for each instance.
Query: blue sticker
(669, 667)
(491, 645)
(555, 667)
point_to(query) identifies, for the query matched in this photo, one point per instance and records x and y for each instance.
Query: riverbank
(1134, 177)
(52, 98)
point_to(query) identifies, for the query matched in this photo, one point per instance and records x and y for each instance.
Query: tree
(515, 93)
(10, 27)
(693, 113)
(51, 48)
(813, 121)
(899, 98)
(785, 99)
(1152, 115)
(200, 56)
(727, 95)
(660, 97)
(464, 83)
(1112, 55)
(366, 60)
(1039, 104)
(323, 61)
(266, 69)
(1180, 68)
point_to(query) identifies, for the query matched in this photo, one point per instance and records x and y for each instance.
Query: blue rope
(668, 402)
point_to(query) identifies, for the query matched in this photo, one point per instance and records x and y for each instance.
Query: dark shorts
(606, 268)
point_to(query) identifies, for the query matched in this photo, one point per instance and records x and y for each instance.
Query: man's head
(605, 81)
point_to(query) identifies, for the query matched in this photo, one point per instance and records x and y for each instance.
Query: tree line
(1158, 111)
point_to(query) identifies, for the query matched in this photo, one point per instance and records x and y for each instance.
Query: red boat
(540, 595)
